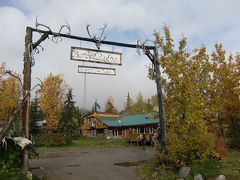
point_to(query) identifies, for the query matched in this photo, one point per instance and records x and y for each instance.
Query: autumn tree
(109, 106)
(186, 81)
(51, 99)
(141, 105)
(154, 101)
(224, 94)
(10, 93)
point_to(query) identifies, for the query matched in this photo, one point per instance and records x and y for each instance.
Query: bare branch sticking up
(11, 74)
(40, 85)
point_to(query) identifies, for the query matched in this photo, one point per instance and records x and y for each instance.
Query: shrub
(187, 141)
(52, 139)
(10, 160)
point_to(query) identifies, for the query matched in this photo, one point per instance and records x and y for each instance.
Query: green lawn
(99, 142)
(96, 142)
(230, 167)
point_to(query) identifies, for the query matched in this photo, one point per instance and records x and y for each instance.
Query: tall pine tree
(68, 124)
(128, 105)
(35, 115)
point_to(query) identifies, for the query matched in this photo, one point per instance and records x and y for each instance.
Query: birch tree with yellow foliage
(51, 99)
(10, 93)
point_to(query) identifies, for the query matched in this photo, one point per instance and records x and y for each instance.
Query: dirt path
(89, 164)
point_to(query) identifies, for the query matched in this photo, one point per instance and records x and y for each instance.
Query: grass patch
(229, 167)
(99, 142)
(152, 170)
(96, 142)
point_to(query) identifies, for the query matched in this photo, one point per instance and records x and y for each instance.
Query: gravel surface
(89, 164)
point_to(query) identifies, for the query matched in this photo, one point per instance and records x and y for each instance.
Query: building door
(92, 132)
(115, 133)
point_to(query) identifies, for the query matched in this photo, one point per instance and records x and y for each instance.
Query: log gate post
(26, 90)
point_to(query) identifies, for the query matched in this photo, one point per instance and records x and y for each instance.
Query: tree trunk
(26, 88)
(162, 131)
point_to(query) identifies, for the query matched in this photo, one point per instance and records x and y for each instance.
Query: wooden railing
(135, 137)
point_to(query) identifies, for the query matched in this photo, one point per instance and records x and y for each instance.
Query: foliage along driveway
(118, 163)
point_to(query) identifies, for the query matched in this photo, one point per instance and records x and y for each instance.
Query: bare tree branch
(11, 74)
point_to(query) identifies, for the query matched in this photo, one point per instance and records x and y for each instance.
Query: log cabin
(116, 126)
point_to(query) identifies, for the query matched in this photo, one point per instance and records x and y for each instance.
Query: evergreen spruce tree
(68, 124)
(35, 115)
(128, 105)
(79, 115)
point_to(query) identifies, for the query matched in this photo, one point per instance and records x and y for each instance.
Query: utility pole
(26, 90)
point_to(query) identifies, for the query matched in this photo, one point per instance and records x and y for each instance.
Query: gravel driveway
(89, 164)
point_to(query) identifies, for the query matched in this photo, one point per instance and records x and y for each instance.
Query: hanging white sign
(96, 70)
(96, 56)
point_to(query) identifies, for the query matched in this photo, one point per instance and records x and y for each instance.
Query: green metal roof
(132, 120)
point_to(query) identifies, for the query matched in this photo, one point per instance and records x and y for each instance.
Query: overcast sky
(201, 21)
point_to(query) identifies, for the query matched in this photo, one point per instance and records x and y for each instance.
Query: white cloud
(203, 22)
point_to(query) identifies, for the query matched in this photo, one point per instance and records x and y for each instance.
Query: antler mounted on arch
(96, 38)
(55, 38)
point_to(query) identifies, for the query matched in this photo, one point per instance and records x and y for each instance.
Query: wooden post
(26, 88)
(162, 133)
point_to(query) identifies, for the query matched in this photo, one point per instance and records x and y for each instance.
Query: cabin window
(100, 131)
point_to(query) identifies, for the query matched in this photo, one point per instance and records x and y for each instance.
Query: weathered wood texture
(26, 90)
(162, 133)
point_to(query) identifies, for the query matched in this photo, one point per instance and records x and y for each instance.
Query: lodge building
(115, 125)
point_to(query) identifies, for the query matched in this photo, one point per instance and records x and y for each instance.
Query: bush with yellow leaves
(187, 141)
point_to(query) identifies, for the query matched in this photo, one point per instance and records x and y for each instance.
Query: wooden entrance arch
(150, 51)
